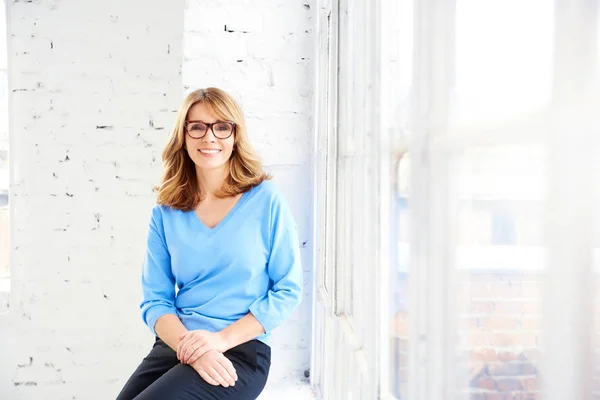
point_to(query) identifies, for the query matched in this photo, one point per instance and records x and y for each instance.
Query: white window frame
(344, 363)
(5, 281)
(568, 297)
(324, 212)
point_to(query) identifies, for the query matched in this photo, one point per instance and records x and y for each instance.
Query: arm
(169, 328)
(284, 268)
(242, 331)
(158, 286)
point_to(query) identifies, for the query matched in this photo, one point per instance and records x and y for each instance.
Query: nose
(210, 136)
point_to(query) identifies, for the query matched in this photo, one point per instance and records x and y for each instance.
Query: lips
(209, 151)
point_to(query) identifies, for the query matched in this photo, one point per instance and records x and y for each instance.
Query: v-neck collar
(211, 231)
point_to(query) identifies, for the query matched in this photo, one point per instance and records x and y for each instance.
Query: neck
(210, 181)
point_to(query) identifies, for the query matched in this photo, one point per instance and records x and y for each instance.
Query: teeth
(210, 151)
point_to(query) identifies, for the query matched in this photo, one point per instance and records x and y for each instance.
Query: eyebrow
(204, 122)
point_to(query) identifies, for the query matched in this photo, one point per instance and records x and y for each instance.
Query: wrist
(226, 339)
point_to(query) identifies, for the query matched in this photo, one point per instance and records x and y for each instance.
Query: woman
(222, 267)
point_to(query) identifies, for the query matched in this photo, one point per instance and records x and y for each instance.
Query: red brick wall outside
(499, 329)
(499, 326)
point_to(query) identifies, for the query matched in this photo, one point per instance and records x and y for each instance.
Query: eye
(197, 127)
(223, 127)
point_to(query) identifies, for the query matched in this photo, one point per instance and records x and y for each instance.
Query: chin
(211, 165)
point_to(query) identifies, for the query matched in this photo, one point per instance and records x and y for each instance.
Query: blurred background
(441, 158)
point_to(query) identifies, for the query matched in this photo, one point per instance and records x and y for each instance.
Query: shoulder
(159, 209)
(161, 212)
(270, 193)
(266, 188)
(275, 205)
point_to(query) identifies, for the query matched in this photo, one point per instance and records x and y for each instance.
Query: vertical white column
(431, 296)
(567, 365)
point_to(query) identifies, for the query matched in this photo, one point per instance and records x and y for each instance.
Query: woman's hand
(215, 369)
(194, 344)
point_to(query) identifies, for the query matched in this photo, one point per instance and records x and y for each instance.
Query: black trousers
(161, 376)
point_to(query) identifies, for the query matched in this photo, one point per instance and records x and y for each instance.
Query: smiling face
(208, 152)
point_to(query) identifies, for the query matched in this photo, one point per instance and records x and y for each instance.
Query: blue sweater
(210, 278)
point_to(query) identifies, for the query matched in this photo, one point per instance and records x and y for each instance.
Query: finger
(185, 349)
(217, 377)
(200, 347)
(179, 349)
(204, 375)
(189, 349)
(224, 373)
(228, 365)
(195, 356)
(202, 350)
(183, 345)
(188, 346)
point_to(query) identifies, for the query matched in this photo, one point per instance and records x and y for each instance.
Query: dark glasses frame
(210, 126)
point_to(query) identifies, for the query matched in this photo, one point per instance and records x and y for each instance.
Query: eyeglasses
(199, 129)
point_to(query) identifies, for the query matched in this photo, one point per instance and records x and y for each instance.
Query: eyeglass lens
(221, 130)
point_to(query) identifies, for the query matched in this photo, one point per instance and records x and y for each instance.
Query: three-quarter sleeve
(284, 268)
(158, 284)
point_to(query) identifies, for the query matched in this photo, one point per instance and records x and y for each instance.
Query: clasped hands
(203, 351)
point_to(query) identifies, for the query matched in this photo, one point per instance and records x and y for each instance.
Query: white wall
(82, 194)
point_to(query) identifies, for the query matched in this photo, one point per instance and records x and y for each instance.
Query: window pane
(499, 265)
(399, 277)
(397, 75)
(503, 57)
(396, 82)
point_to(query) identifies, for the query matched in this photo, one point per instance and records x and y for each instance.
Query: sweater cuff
(260, 312)
(154, 313)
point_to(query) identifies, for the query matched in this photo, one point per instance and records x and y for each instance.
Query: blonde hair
(179, 186)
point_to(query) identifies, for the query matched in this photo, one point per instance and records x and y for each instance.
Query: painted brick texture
(87, 79)
(95, 86)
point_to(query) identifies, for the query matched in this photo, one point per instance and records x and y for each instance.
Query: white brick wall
(82, 194)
